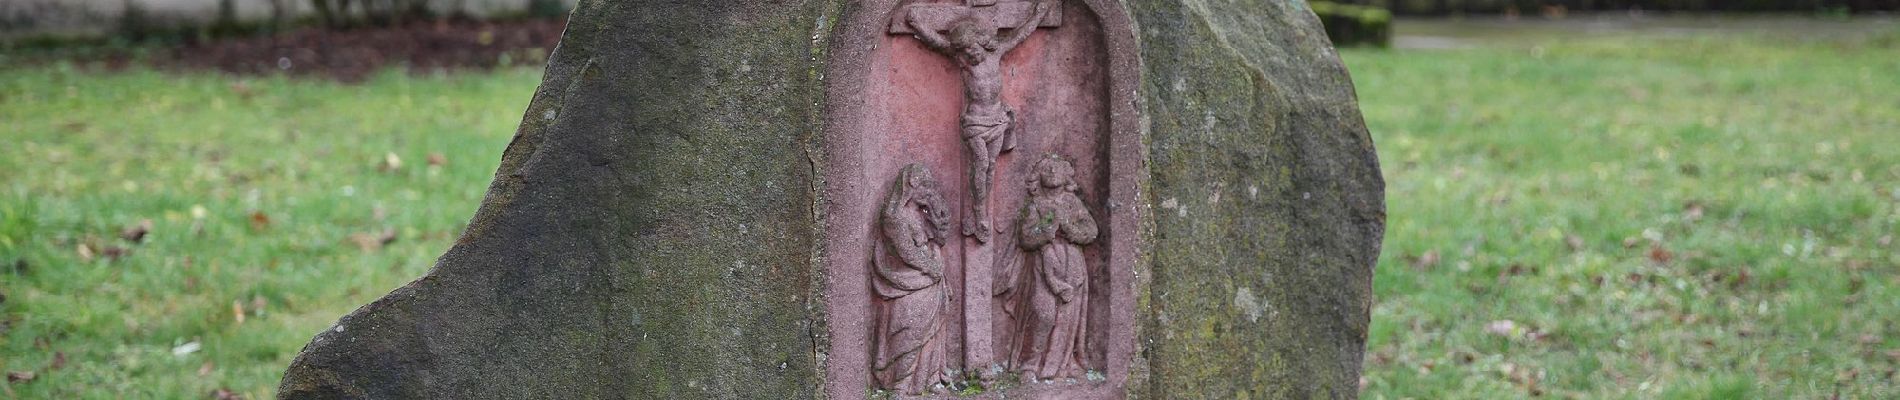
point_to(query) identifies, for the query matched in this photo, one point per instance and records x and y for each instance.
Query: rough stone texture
(1268, 203)
(894, 101)
(648, 235)
(652, 230)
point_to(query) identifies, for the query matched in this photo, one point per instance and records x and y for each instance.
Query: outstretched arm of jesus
(1016, 36)
(928, 34)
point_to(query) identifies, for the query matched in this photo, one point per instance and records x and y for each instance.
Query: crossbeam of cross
(999, 13)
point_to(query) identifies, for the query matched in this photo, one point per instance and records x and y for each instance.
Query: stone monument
(903, 199)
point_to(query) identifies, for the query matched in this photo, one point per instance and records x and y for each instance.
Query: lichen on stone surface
(652, 231)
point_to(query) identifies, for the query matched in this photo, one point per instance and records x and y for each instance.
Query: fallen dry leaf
(87, 252)
(1503, 327)
(205, 369)
(259, 220)
(1537, 335)
(437, 159)
(1427, 260)
(1692, 211)
(1575, 242)
(114, 252)
(242, 89)
(1514, 269)
(237, 311)
(1660, 255)
(1636, 277)
(257, 305)
(226, 394)
(1511, 371)
(372, 241)
(136, 233)
(1465, 357)
(390, 163)
(1522, 376)
(59, 361)
(20, 376)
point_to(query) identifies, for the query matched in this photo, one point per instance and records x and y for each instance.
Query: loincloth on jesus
(988, 126)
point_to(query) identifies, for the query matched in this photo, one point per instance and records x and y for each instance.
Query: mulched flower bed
(352, 55)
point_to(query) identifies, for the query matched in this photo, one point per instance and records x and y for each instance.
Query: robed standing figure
(1053, 281)
(913, 304)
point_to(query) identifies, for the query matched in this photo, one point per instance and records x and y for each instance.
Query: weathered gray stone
(655, 228)
(1265, 186)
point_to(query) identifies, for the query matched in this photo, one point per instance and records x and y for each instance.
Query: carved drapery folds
(987, 123)
(1047, 291)
(912, 307)
(998, 93)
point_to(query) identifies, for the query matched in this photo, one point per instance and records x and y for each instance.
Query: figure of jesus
(974, 46)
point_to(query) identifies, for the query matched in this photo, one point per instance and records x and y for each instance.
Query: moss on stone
(1262, 177)
(636, 242)
(652, 230)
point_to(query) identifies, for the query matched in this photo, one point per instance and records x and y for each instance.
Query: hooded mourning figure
(912, 303)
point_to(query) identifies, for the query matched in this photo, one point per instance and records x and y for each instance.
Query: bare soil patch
(347, 55)
(354, 54)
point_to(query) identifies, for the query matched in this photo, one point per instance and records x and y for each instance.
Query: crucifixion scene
(1019, 282)
(969, 35)
(892, 199)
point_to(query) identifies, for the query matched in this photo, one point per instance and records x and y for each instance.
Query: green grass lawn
(1693, 217)
(1701, 216)
(269, 200)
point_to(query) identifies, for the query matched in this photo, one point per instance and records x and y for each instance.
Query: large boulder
(670, 217)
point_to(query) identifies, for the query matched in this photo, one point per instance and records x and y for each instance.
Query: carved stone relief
(1033, 292)
(1046, 289)
(912, 307)
(973, 44)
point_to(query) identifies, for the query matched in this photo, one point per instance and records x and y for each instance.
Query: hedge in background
(1442, 7)
(1352, 25)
